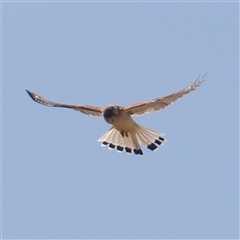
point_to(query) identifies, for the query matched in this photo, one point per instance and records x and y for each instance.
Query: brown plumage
(125, 133)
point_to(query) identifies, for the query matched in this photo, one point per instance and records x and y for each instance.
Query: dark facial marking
(110, 112)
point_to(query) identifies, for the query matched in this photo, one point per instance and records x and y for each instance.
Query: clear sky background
(58, 182)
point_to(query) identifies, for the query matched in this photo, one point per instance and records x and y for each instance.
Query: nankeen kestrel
(125, 133)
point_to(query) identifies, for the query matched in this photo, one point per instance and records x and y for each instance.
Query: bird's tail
(131, 141)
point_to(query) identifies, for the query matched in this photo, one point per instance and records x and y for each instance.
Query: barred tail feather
(131, 141)
(149, 138)
(113, 138)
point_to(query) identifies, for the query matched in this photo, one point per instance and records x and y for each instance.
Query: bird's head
(109, 112)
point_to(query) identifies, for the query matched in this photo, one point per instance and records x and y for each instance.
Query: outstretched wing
(162, 102)
(86, 109)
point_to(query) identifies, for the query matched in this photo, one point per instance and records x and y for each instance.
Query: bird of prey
(125, 133)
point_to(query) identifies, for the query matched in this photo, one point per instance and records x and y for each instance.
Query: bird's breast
(123, 123)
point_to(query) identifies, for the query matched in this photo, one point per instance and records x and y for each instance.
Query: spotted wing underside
(86, 109)
(162, 102)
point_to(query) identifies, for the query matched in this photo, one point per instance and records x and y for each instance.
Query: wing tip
(201, 79)
(31, 94)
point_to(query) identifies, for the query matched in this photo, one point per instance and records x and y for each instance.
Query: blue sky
(57, 180)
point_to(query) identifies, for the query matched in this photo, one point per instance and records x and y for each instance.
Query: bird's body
(122, 121)
(125, 133)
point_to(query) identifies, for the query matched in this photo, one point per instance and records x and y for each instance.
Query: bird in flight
(125, 133)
